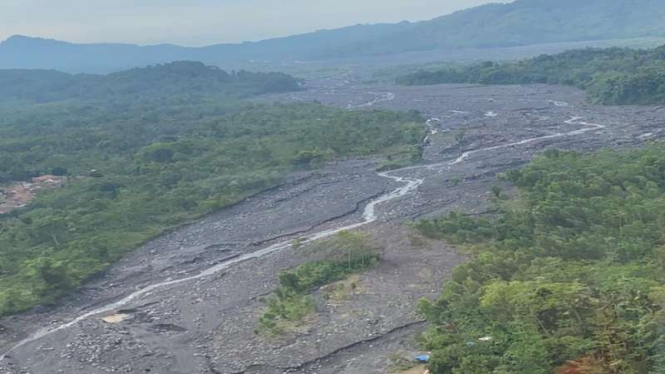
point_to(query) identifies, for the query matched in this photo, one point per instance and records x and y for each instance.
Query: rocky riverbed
(163, 310)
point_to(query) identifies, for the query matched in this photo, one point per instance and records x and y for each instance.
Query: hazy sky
(199, 22)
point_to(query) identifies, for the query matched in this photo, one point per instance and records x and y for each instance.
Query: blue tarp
(423, 359)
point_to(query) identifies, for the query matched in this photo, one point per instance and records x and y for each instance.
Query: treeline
(613, 76)
(184, 81)
(137, 168)
(569, 278)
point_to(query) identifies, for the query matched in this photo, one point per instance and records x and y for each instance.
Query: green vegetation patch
(569, 280)
(346, 254)
(149, 161)
(612, 76)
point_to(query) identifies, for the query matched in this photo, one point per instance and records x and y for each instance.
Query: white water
(572, 121)
(369, 216)
(430, 124)
(432, 130)
(559, 103)
(379, 97)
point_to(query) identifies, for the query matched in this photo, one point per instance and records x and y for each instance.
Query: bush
(348, 253)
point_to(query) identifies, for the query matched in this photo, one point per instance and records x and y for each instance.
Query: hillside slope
(527, 22)
(523, 22)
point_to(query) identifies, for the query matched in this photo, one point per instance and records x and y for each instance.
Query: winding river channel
(408, 186)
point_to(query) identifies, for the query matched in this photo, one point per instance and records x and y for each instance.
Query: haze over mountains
(523, 22)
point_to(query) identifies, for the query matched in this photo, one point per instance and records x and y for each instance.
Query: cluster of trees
(569, 278)
(612, 76)
(157, 166)
(347, 253)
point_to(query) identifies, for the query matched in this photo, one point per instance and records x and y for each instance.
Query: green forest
(568, 277)
(494, 24)
(142, 157)
(177, 82)
(612, 76)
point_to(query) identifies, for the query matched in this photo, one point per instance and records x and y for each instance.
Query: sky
(203, 22)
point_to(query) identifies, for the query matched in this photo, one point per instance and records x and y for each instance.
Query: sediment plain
(188, 302)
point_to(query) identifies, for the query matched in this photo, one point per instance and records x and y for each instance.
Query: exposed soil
(183, 317)
(17, 195)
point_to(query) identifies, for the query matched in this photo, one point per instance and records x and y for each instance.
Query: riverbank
(204, 325)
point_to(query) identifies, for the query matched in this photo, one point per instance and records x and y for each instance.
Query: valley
(189, 300)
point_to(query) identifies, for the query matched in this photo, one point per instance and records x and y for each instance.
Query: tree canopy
(568, 278)
(613, 76)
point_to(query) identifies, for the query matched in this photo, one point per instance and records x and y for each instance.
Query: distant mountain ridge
(522, 22)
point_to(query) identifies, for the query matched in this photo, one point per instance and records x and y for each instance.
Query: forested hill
(526, 22)
(611, 76)
(522, 22)
(160, 81)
